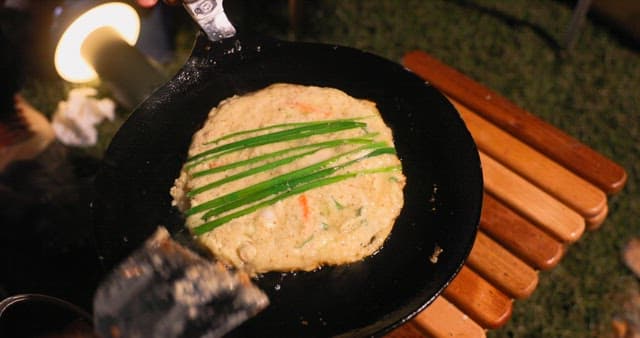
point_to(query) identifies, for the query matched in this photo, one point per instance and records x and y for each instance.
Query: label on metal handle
(210, 15)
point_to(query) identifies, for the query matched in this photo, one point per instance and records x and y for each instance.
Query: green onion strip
(334, 143)
(208, 226)
(259, 169)
(288, 185)
(277, 180)
(282, 125)
(278, 136)
(270, 191)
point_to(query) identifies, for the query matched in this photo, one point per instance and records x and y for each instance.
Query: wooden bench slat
(520, 236)
(501, 268)
(572, 190)
(527, 199)
(554, 143)
(595, 222)
(407, 330)
(442, 319)
(479, 299)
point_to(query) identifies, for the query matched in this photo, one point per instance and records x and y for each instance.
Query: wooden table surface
(543, 189)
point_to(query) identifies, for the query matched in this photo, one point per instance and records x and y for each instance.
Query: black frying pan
(443, 194)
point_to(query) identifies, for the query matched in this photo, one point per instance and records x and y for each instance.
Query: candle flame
(68, 60)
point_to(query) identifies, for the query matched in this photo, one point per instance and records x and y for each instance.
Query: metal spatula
(165, 290)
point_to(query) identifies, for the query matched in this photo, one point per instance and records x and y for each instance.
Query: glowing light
(68, 60)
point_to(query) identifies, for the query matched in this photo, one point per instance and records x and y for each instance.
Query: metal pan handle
(210, 16)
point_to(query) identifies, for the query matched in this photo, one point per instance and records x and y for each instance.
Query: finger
(147, 3)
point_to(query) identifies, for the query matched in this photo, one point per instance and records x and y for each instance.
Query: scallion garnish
(280, 136)
(281, 125)
(208, 226)
(287, 185)
(278, 179)
(252, 171)
(334, 143)
(251, 198)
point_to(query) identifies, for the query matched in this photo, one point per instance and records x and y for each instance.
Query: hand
(151, 3)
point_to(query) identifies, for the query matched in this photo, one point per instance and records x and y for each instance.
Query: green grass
(593, 93)
(511, 46)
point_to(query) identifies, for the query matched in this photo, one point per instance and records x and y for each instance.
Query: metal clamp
(210, 15)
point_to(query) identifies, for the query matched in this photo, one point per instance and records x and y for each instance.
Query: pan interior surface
(443, 194)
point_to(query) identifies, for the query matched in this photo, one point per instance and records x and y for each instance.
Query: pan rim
(198, 61)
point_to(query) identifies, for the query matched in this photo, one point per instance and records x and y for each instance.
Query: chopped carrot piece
(309, 108)
(305, 107)
(304, 204)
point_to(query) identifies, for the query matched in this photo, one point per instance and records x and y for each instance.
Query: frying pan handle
(210, 16)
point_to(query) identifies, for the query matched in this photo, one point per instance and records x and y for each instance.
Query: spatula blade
(166, 290)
